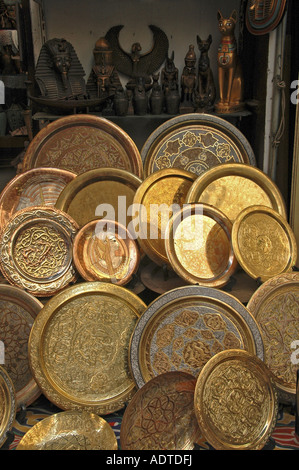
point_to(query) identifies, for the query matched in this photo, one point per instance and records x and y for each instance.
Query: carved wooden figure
(205, 93)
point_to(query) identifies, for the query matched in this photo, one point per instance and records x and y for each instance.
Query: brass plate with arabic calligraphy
(236, 401)
(18, 310)
(70, 430)
(198, 245)
(275, 306)
(195, 142)
(83, 142)
(78, 347)
(148, 421)
(7, 405)
(182, 329)
(234, 187)
(264, 243)
(36, 250)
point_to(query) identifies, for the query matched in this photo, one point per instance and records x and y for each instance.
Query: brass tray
(18, 310)
(7, 405)
(82, 142)
(78, 347)
(104, 250)
(182, 329)
(236, 401)
(275, 306)
(103, 192)
(37, 187)
(195, 142)
(70, 430)
(234, 187)
(36, 250)
(199, 247)
(161, 415)
(158, 197)
(264, 243)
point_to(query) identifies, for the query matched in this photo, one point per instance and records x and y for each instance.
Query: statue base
(186, 108)
(224, 108)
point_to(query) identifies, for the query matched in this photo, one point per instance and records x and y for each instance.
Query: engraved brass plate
(105, 251)
(195, 142)
(18, 310)
(199, 247)
(70, 430)
(262, 16)
(36, 250)
(7, 404)
(234, 187)
(264, 243)
(161, 415)
(103, 192)
(80, 143)
(37, 187)
(78, 347)
(157, 198)
(182, 329)
(236, 401)
(275, 306)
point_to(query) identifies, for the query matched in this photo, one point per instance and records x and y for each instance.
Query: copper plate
(275, 306)
(161, 415)
(236, 402)
(198, 245)
(78, 347)
(263, 17)
(82, 142)
(37, 187)
(36, 250)
(234, 187)
(7, 405)
(182, 329)
(264, 243)
(104, 192)
(70, 430)
(159, 195)
(104, 250)
(195, 142)
(18, 310)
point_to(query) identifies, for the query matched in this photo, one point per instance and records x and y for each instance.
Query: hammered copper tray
(195, 142)
(36, 250)
(7, 405)
(18, 310)
(199, 247)
(70, 430)
(103, 192)
(37, 187)
(78, 347)
(275, 306)
(264, 243)
(236, 401)
(234, 187)
(161, 415)
(182, 329)
(157, 198)
(82, 142)
(104, 250)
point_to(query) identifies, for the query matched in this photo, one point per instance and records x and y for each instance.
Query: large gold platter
(78, 347)
(36, 250)
(157, 198)
(103, 192)
(183, 328)
(236, 401)
(70, 430)
(195, 142)
(161, 415)
(275, 306)
(37, 187)
(7, 405)
(80, 143)
(199, 247)
(264, 243)
(234, 187)
(18, 310)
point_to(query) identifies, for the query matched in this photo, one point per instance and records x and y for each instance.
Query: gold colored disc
(7, 404)
(236, 401)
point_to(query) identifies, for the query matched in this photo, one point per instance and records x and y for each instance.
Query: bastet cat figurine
(205, 92)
